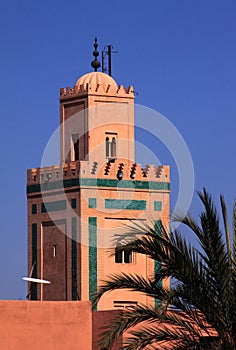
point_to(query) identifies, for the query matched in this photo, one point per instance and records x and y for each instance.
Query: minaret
(77, 209)
(97, 118)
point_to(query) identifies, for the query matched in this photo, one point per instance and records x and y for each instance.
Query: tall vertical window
(74, 147)
(34, 208)
(73, 203)
(107, 147)
(54, 250)
(111, 145)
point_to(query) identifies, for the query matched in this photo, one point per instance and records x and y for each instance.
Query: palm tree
(198, 311)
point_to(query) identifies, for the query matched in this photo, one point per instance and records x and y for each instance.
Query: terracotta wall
(45, 325)
(100, 318)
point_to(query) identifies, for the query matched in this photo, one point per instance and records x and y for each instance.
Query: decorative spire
(95, 63)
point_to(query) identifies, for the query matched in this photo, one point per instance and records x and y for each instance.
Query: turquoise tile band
(125, 204)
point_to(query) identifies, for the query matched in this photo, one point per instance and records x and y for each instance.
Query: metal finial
(95, 63)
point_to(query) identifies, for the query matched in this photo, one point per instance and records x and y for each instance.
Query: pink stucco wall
(45, 325)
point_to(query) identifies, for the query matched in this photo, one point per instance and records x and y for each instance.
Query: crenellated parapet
(118, 170)
(99, 89)
(52, 173)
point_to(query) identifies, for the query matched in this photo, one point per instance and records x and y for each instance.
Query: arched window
(113, 147)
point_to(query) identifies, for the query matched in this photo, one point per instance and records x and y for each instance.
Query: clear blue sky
(179, 55)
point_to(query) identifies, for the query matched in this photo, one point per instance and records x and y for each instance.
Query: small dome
(95, 78)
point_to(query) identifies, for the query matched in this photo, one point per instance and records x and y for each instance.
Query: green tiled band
(157, 264)
(92, 221)
(87, 182)
(158, 206)
(125, 204)
(124, 183)
(74, 259)
(53, 206)
(34, 259)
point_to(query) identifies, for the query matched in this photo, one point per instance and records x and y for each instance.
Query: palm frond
(124, 281)
(234, 235)
(226, 225)
(202, 296)
(125, 320)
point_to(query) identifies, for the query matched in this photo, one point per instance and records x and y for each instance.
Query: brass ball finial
(95, 63)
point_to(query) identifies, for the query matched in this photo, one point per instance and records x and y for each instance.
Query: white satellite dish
(35, 280)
